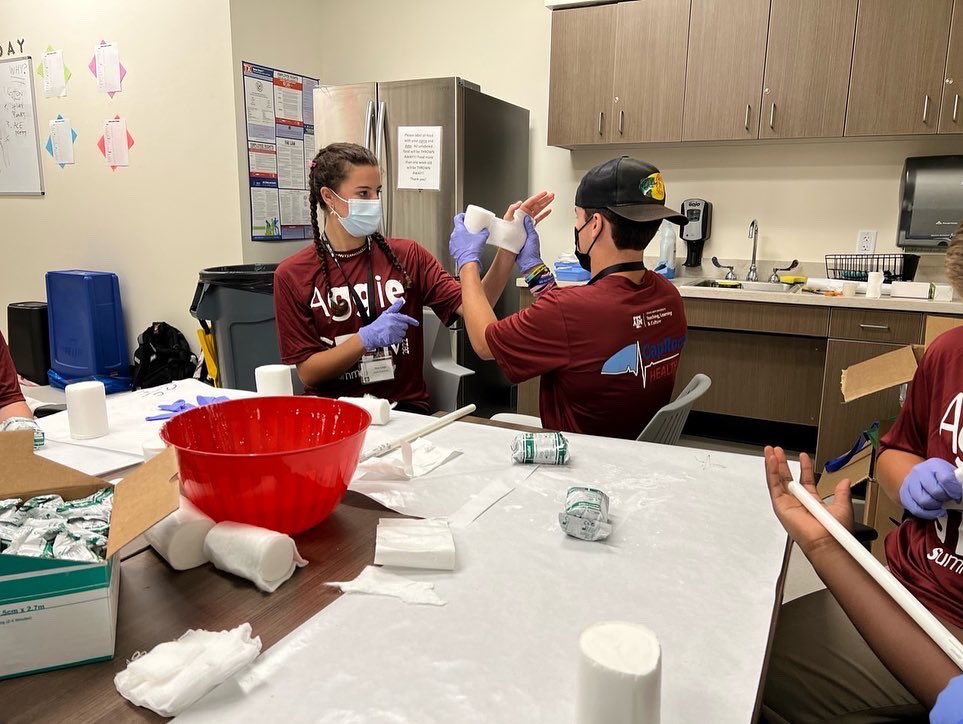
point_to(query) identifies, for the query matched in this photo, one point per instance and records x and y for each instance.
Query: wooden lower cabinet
(760, 376)
(840, 423)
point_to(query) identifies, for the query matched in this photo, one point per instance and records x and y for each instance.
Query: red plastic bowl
(281, 463)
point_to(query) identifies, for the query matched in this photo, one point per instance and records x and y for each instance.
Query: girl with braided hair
(345, 304)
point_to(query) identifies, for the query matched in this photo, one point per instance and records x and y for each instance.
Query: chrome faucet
(753, 276)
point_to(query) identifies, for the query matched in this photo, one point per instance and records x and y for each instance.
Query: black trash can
(29, 339)
(238, 301)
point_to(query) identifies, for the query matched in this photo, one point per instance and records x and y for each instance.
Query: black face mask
(584, 260)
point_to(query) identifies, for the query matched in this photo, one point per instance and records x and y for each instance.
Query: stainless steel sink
(748, 286)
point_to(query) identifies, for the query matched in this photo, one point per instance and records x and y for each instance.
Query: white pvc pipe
(441, 422)
(926, 620)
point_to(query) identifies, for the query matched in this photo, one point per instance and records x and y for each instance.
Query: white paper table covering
(695, 555)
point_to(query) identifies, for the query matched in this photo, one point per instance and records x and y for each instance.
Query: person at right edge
(608, 351)
(849, 653)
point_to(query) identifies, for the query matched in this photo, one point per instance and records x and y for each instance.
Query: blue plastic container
(566, 271)
(86, 322)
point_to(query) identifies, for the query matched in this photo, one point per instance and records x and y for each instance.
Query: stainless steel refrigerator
(483, 161)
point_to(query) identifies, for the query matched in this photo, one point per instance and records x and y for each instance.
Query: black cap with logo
(630, 188)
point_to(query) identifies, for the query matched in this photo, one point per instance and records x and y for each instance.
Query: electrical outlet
(866, 241)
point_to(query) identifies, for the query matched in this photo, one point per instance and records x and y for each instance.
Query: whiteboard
(20, 170)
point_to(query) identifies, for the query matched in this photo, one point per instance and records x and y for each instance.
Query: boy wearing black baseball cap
(607, 352)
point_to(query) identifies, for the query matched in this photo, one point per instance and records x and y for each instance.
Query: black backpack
(162, 356)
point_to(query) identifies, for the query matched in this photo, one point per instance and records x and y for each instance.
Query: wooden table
(158, 604)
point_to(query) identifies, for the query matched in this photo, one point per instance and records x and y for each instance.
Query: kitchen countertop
(799, 298)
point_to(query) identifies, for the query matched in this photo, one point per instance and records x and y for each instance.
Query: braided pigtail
(339, 307)
(388, 252)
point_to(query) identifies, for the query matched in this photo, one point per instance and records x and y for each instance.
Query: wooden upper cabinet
(898, 67)
(808, 60)
(951, 114)
(724, 70)
(580, 89)
(650, 57)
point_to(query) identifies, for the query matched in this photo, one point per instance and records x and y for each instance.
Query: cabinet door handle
(876, 327)
(601, 114)
(621, 120)
(748, 111)
(926, 109)
(772, 117)
(956, 106)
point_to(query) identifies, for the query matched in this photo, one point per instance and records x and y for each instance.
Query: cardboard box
(893, 368)
(55, 613)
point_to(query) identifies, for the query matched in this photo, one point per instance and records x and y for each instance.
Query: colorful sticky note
(93, 67)
(102, 144)
(57, 142)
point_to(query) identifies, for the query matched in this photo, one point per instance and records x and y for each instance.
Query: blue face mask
(364, 216)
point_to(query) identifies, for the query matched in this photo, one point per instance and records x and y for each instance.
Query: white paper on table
(419, 157)
(669, 565)
(379, 582)
(443, 491)
(115, 142)
(127, 413)
(412, 543)
(54, 77)
(411, 460)
(485, 499)
(107, 57)
(61, 139)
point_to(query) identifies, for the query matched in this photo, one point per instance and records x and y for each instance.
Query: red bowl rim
(163, 431)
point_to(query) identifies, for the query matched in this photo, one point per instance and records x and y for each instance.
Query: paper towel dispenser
(931, 207)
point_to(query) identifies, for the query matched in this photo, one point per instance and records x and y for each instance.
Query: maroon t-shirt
(306, 325)
(607, 352)
(9, 384)
(927, 556)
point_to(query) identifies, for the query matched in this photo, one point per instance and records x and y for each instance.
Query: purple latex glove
(466, 247)
(389, 328)
(928, 487)
(171, 410)
(531, 254)
(204, 400)
(949, 704)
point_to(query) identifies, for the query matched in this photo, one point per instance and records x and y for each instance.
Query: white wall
(809, 198)
(292, 37)
(174, 210)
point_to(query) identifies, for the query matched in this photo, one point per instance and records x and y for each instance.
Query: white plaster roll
(509, 234)
(273, 380)
(477, 218)
(874, 285)
(87, 410)
(264, 557)
(179, 538)
(619, 675)
(380, 409)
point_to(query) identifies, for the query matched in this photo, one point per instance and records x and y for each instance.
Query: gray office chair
(443, 375)
(666, 426)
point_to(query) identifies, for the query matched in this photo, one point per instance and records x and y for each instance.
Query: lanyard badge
(377, 366)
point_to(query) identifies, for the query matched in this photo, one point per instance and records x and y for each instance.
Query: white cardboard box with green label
(56, 613)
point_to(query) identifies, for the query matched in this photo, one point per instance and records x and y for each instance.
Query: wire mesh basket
(856, 267)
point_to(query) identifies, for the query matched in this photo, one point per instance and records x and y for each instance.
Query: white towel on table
(177, 673)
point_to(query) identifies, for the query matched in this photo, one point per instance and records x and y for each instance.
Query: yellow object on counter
(793, 279)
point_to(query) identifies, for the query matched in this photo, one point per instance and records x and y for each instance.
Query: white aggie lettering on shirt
(388, 292)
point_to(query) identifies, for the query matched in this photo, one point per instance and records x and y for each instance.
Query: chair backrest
(443, 375)
(666, 426)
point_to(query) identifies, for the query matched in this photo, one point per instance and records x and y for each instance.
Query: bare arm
(894, 637)
(15, 409)
(497, 276)
(892, 468)
(329, 364)
(476, 309)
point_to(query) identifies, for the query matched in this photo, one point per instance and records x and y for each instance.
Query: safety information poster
(279, 116)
